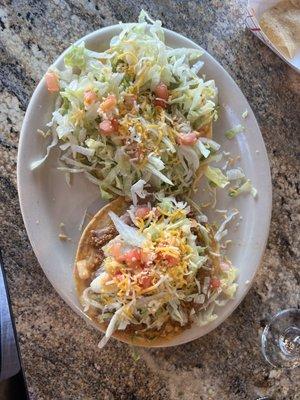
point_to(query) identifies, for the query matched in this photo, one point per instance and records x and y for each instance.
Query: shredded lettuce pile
(164, 272)
(146, 145)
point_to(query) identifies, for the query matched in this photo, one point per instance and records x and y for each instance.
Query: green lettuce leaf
(216, 176)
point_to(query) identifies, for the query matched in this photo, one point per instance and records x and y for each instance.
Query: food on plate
(137, 111)
(146, 272)
(281, 23)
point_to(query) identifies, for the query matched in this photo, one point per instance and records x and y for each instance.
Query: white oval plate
(46, 200)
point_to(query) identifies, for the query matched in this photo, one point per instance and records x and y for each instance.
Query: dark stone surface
(60, 352)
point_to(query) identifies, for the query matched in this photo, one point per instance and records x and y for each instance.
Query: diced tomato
(171, 261)
(133, 258)
(215, 283)
(142, 212)
(52, 82)
(115, 124)
(109, 103)
(89, 97)
(161, 91)
(187, 139)
(145, 281)
(118, 274)
(160, 103)
(106, 128)
(115, 251)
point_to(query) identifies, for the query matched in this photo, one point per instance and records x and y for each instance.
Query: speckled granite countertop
(59, 351)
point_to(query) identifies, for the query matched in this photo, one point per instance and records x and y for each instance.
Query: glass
(280, 339)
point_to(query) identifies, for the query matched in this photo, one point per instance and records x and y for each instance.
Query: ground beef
(100, 257)
(100, 237)
(96, 260)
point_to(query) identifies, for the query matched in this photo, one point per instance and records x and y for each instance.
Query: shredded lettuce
(246, 187)
(75, 57)
(231, 133)
(38, 163)
(144, 146)
(157, 173)
(221, 232)
(131, 235)
(137, 190)
(210, 143)
(203, 150)
(111, 327)
(245, 114)
(234, 174)
(216, 176)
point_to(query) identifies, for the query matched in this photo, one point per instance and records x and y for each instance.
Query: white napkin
(255, 9)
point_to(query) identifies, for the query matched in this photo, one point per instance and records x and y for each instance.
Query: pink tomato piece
(145, 281)
(115, 124)
(161, 91)
(133, 258)
(215, 283)
(90, 98)
(115, 251)
(169, 260)
(187, 139)
(160, 103)
(142, 212)
(106, 127)
(119, 275)
(109, 103)
(52, 82)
